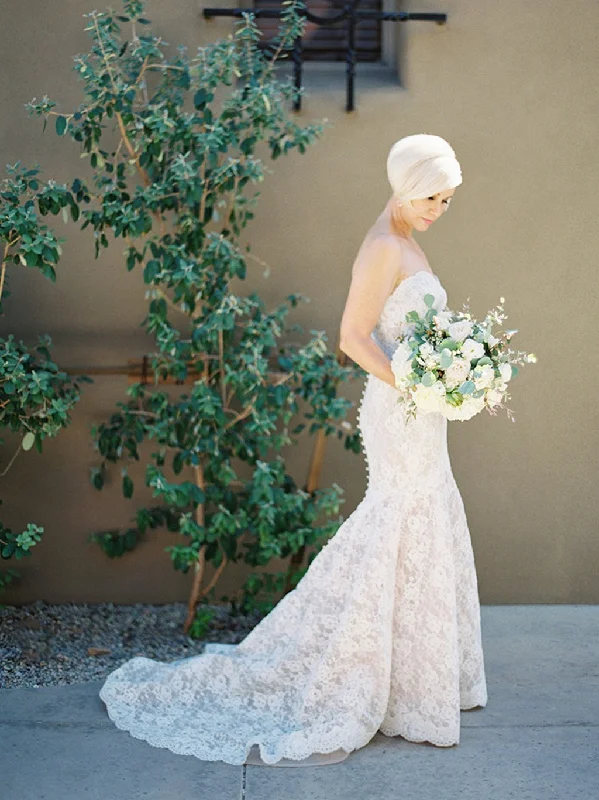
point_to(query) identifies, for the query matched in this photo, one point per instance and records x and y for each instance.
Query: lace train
(381, 634)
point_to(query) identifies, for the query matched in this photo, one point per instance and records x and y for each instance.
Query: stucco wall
(515, 92)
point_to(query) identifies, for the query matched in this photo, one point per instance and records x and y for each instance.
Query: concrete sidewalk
(537, 738)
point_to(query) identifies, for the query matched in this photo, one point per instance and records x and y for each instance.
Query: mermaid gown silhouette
(382, 633)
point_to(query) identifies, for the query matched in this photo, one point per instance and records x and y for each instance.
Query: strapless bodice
(405, 297)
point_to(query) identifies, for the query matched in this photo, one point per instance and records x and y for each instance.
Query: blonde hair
(421, 165)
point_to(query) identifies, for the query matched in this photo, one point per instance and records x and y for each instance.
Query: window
(328, 42)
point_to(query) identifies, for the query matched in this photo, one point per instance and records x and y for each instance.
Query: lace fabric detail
(381, 634)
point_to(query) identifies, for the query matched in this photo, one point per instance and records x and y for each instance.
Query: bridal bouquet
(450, 363)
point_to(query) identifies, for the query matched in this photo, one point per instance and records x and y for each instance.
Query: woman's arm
(374, 275)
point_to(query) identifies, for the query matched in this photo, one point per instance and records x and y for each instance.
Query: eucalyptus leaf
(446, 358)
(61, 125)
(450, 344)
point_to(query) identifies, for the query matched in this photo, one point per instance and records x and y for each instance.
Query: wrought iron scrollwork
(351, 15)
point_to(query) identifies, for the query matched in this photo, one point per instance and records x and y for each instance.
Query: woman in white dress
(382, 633)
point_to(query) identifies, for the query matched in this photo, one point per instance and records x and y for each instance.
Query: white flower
(460, 330)
(493, 340)
(472, 349)
(429, 398)
(401, 361)
(429, 355)
(494, 397)
(457, 372)
(470, 407)
(485, 376)
(505, 371)
(442, 320)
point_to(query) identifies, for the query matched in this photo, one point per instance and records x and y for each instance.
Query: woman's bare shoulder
(400, 256)
(379, 247)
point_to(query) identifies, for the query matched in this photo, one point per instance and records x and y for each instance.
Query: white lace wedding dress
(381, 634)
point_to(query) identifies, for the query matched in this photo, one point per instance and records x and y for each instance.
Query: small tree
(36, 398)
(170, 168)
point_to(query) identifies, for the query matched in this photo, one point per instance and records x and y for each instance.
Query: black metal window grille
(352, 14)
(328, 42)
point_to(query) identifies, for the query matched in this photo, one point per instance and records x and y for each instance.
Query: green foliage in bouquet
(449, 362)
(36, 397)
(172, 142)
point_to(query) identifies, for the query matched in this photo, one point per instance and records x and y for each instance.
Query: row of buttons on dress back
(361, 439)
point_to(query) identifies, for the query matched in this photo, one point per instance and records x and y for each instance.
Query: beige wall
(515, 91)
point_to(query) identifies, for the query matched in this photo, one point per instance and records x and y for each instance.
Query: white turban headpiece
(421, 165)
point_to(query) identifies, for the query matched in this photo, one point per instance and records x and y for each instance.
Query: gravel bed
(44, 644)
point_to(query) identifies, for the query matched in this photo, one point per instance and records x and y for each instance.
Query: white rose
(505, 370)
(460, 330)
(429, 398)
(442, 320)
(457, 372)
(472, 349)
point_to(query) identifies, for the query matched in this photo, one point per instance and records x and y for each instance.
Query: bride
(382, 633)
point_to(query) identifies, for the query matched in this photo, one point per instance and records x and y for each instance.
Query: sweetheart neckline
(413, 275)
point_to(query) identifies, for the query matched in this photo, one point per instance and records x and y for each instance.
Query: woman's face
(423, 212)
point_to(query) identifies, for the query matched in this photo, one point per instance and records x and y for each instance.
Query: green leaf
(97, 478)
(127, 486)
(467, 387)
(428, 379)
(429, 299)
(450, 344)
(130, 538)
(61, 125)
(201, 98)
(28, 440)
(446, 359)
(151, 270)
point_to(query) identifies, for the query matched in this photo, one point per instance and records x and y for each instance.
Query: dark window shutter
(328, 42)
